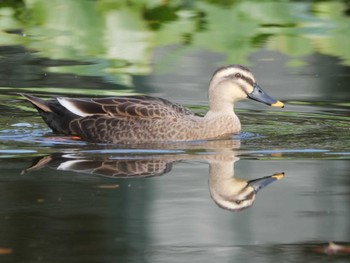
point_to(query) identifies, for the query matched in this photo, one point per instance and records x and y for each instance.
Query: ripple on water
(10, 153)
(23, 124)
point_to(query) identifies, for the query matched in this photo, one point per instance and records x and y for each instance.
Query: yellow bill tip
(278, 104)
(278, 176)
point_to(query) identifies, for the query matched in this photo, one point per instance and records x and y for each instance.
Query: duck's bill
(258, 94)
(260, 183)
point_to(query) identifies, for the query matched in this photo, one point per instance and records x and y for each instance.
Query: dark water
(69, 201)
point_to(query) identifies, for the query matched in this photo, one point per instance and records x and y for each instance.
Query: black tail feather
(53, 113)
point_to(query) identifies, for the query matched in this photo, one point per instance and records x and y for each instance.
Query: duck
(228, 191)
(145, 119)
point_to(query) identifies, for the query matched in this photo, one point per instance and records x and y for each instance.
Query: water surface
(64, 200)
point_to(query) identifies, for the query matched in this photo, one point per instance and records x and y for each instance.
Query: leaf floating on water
(40, 200)
(5, 251)
(334, 249)
(107, 186)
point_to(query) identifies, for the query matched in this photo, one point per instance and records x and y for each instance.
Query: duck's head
(236, 82)
(237, 194)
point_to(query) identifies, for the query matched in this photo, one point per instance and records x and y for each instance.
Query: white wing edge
(71, 107)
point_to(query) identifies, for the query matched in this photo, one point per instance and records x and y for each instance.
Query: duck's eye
(238, 75)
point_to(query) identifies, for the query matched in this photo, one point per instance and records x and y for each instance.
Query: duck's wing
(138, 167)
(125, 107)
(118, 168)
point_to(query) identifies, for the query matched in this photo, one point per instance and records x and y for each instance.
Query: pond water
(64, 200)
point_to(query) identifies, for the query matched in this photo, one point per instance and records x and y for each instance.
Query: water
(64, 200)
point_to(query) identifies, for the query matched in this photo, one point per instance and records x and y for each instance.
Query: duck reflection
(230, 192)
(227, 191)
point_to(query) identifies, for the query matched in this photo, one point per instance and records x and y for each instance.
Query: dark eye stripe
(247, 79)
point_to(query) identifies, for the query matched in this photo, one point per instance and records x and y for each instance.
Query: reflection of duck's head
(233, 83)
(239, 194)
(233, 193)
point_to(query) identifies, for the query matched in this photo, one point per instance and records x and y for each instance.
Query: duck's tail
(56, 116)
(40, 104)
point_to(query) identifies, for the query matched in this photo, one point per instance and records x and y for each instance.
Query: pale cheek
(249, 89)
(240, 95)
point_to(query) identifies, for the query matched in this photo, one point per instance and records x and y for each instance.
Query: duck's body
(140, 119)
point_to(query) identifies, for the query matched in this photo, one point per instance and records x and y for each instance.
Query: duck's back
(136, 119)
(125, 107)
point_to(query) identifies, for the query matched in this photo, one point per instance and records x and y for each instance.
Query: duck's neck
(222, 112)
(222, 106)
(221, 124)
(222, 180)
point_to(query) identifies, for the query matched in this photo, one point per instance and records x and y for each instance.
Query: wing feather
(125, 107)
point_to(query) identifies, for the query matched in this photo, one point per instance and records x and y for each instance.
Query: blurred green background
(115, 40)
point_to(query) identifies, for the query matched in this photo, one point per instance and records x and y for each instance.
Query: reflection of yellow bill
(278, 176)
(278, 104)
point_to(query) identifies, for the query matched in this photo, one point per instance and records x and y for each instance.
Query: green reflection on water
(131, 30)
